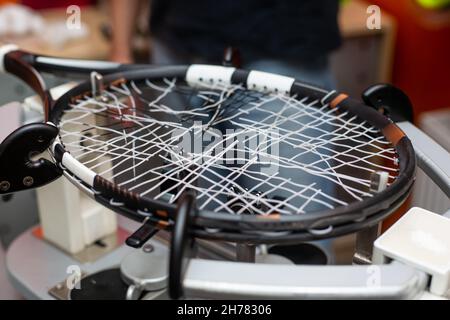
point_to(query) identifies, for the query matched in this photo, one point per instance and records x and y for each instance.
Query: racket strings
(263, 153)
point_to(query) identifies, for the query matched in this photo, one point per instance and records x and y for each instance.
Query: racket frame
(245, 228)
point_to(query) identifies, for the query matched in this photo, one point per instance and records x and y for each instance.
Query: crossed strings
(323, 157)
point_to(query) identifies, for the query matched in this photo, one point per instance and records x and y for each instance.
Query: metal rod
(364, 245)
(245, 252)
(96, 84)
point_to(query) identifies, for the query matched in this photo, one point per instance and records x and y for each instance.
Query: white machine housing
(420, 239)
(70, 219)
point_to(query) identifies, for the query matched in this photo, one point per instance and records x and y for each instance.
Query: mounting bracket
(18, 171)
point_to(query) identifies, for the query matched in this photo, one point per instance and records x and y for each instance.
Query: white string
(132, 138)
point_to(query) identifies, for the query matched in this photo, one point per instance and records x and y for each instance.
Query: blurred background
(411, 50)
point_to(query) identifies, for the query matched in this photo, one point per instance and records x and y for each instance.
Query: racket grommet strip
(268, 82)
(201, 75)
(83, 173)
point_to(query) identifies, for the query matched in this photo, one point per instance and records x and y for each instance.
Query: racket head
(210, 222)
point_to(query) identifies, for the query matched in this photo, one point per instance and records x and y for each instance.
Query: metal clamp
(390, 101)
(18, 171)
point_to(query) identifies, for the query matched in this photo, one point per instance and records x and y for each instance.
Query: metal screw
(28, 181)
(148, 248)
(4, 186)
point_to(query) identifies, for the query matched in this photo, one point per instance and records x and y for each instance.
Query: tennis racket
(261, 158)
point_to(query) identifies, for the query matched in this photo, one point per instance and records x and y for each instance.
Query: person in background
(288, 37)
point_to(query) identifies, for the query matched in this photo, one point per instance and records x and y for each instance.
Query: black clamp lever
(18, 171)
(141, 235)
(390, 101)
